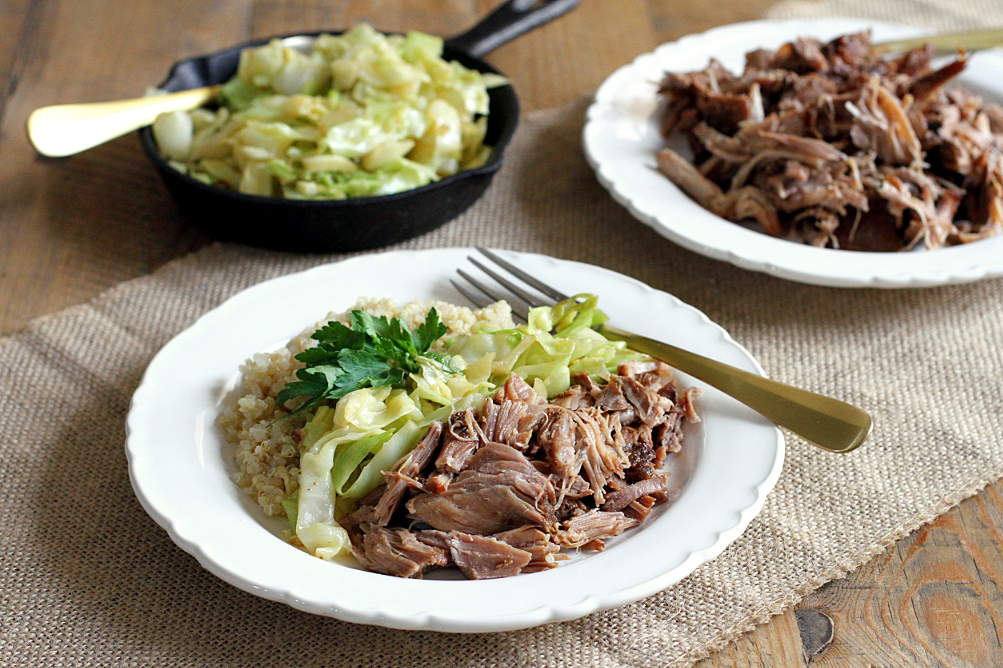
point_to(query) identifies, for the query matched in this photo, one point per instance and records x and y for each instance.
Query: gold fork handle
(969, 41)
(829, 423)
(65, 129)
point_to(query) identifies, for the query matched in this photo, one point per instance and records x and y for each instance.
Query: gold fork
(829, 423)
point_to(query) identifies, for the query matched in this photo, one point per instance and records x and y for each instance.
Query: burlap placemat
(939, 15)
(86, 578)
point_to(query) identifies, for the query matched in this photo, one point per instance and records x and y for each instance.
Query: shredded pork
(501, 491)
(829, 144)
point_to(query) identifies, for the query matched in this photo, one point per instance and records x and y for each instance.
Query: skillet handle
(512, 19)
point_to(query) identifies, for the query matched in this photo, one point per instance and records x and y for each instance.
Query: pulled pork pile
(501, 492)
(835, 146)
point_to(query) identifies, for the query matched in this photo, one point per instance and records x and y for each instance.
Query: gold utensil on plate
(829, 423)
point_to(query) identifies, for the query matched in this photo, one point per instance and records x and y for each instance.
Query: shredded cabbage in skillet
(363, 114)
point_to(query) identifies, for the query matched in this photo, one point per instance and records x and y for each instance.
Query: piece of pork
(883, 127)
(573, 398)
(659, 379)
(985, 197)
(622, 498)
(524, 479)
(926, 86)
(557, 440)
(397, 552)
(485, 511)
(736, 205)
(544, 554)
(503, 426)
(669, 434)
(688, 178)
(650, 405)
(500, 491)
(932, 207)
(459, 442)
(640, 449)
(803, 55)
(599, 449)
(848, 53)
(433, 537)
(517, 389)
(593, 525)
(611, 398)
(485, 557)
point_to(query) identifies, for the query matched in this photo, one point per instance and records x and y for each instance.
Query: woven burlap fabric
(88, 579)
(939, 15)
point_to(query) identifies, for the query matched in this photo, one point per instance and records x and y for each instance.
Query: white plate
(180, 467)
(621, 140)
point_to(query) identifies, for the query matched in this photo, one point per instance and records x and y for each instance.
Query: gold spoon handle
(65, 129)
(829, 423)
(969, 41)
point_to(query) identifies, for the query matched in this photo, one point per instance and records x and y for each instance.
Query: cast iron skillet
(365, 222)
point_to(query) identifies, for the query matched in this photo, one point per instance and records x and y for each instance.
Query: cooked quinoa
(267, 457)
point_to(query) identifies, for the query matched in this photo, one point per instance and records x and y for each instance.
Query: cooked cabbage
(330, 443)
(548, 360)
(362, 114)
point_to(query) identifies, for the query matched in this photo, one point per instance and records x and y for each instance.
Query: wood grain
(19, 21)
(773, 645)
(71, 228)
(934, 599)
(572, 56)
(672, 19)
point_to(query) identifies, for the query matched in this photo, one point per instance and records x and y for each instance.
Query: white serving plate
(621, 140)
(180, 467)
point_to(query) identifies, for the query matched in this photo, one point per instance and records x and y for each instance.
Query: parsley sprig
(371, 352)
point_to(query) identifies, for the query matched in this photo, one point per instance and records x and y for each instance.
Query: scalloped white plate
(621, 139)
(180, 467)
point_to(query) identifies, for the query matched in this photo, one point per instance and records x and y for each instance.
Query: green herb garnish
(371, 352)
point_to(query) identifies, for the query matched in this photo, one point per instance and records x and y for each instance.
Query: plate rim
(753, 250)
(139, 477)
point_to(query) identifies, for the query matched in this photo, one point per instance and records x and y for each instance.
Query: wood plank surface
(934, 599)
(69, 229)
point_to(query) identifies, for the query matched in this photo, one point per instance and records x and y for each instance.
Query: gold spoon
(66, 129)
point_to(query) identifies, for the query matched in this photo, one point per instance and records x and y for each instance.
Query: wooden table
(71, 228)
